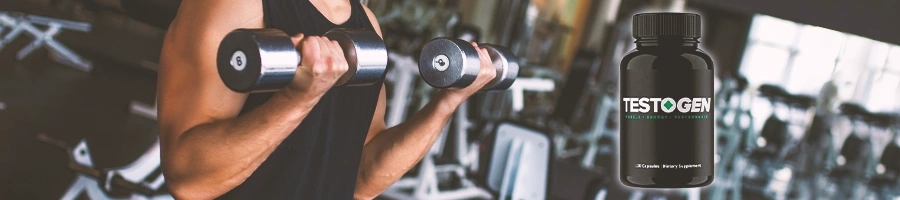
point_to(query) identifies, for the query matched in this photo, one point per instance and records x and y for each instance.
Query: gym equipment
(20, 22)
(768, 174)
(578, 81)
(510, 104)
(519, 163)
(261, 60)
(885, 184)
(777, 135)
(454, 63)
(588, 143)
(426, 184)
(573, 104)
(401, 75)
(140, 108)
(856, 147)
(144, 110)
(521, 85)
(514, 19)
(856, 160)
(814, 156)
(735, 128)
(429, 181)
(142, 178)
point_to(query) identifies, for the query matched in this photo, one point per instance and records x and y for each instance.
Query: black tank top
(320, 159)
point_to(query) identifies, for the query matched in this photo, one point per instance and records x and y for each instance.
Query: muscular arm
(390, 153)
(206, 149)
(393, 151)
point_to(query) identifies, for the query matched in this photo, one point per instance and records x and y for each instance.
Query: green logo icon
(668, 105)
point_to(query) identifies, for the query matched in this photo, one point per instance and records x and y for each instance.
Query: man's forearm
(213, 158)
(397, 149)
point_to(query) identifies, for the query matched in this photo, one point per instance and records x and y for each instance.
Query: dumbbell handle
(506, 65)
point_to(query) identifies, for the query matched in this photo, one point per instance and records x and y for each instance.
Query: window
(801, 58)
(886, 79)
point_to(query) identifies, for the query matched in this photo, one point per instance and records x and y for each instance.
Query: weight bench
(142, 178)
(19, 23)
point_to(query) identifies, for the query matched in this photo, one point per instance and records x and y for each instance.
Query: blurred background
(807, 98)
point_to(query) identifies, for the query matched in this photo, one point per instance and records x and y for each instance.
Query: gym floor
(40, 96)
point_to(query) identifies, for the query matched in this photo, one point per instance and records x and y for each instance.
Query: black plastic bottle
(666, 91)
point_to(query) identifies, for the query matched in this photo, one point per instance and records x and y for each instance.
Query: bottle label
(666, 123)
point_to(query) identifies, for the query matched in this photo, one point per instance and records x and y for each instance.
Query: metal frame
(528, 84)
(137, 172)
(23, 23)
(144, 110)
(591, 137)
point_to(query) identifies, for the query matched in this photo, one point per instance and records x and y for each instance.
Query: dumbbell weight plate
(366, 56)
(448, 62)
(256, 60)
(507, 66)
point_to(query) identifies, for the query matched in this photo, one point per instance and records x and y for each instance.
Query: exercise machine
(885, 183)
(142, 179)
(734, 125)
(768, 174)
(19, 23)
(856, 160)
(519, 163)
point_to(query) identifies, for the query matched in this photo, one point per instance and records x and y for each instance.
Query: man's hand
(486, 73)
(322, 64)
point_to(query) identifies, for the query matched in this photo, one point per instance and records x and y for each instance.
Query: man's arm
(206, 149)
(390, 153)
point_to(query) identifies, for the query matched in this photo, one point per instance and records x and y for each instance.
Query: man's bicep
(378, 118)
(190, 91)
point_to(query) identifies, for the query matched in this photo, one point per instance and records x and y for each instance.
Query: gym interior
(807, 95)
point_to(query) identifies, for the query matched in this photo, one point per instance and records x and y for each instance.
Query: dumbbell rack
(23, 23)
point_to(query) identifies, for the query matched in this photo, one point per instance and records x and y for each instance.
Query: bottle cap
(666, 24)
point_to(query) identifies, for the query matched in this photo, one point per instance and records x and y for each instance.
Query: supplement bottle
(666, 119)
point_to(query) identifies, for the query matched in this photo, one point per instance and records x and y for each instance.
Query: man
(299, 142)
